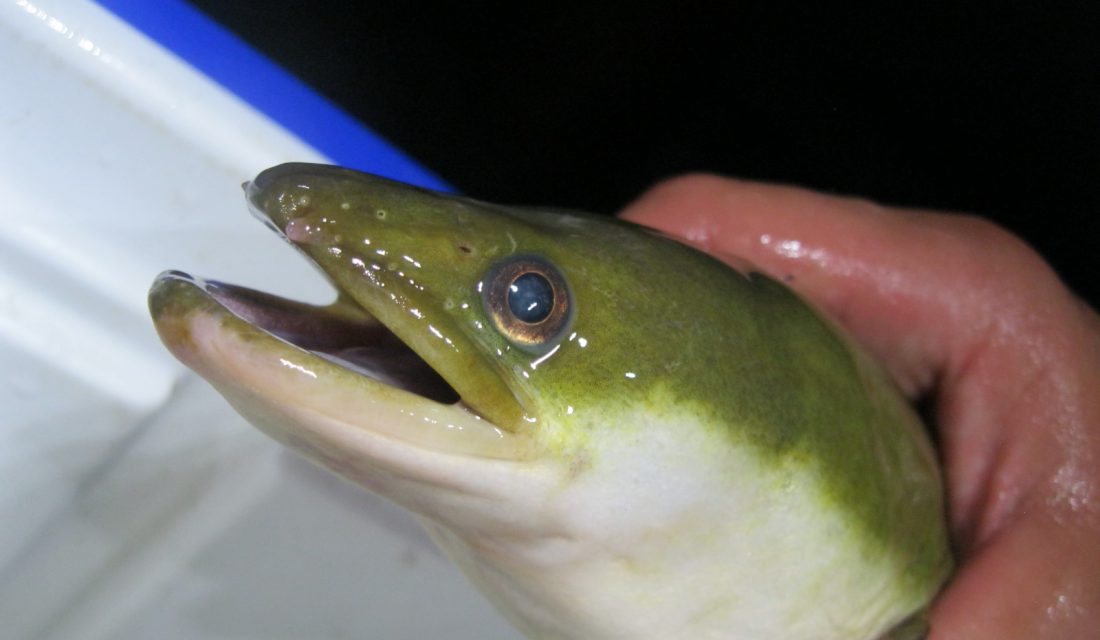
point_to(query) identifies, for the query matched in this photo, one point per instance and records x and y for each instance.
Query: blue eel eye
(528, 301)
(531, 298)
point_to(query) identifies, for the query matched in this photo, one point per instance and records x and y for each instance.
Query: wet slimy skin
(614, 435)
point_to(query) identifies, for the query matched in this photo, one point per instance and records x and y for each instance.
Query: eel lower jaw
(321, 379)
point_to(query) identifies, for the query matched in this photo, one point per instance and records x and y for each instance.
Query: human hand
(968, 318)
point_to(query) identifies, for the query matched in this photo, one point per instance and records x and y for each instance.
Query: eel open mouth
(298, 370)
(343, 333)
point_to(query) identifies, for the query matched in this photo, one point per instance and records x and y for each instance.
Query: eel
(611, 433)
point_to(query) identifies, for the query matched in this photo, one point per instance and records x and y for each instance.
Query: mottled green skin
(744, 352)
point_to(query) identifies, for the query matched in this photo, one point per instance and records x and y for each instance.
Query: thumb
(916, 288)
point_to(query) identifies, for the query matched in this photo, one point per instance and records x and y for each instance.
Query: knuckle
(998, 246)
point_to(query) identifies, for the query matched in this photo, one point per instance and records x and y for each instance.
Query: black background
(988, 108)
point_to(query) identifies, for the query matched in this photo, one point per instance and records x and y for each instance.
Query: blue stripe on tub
(229, 61)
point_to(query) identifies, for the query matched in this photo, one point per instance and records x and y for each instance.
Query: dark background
(988, 108)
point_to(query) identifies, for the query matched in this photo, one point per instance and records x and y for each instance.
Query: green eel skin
(613, 434)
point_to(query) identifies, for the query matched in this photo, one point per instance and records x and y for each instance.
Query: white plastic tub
(134, 503)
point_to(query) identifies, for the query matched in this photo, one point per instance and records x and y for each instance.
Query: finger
(956, 308)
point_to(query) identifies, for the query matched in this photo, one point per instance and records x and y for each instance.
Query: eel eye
(528, 301)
